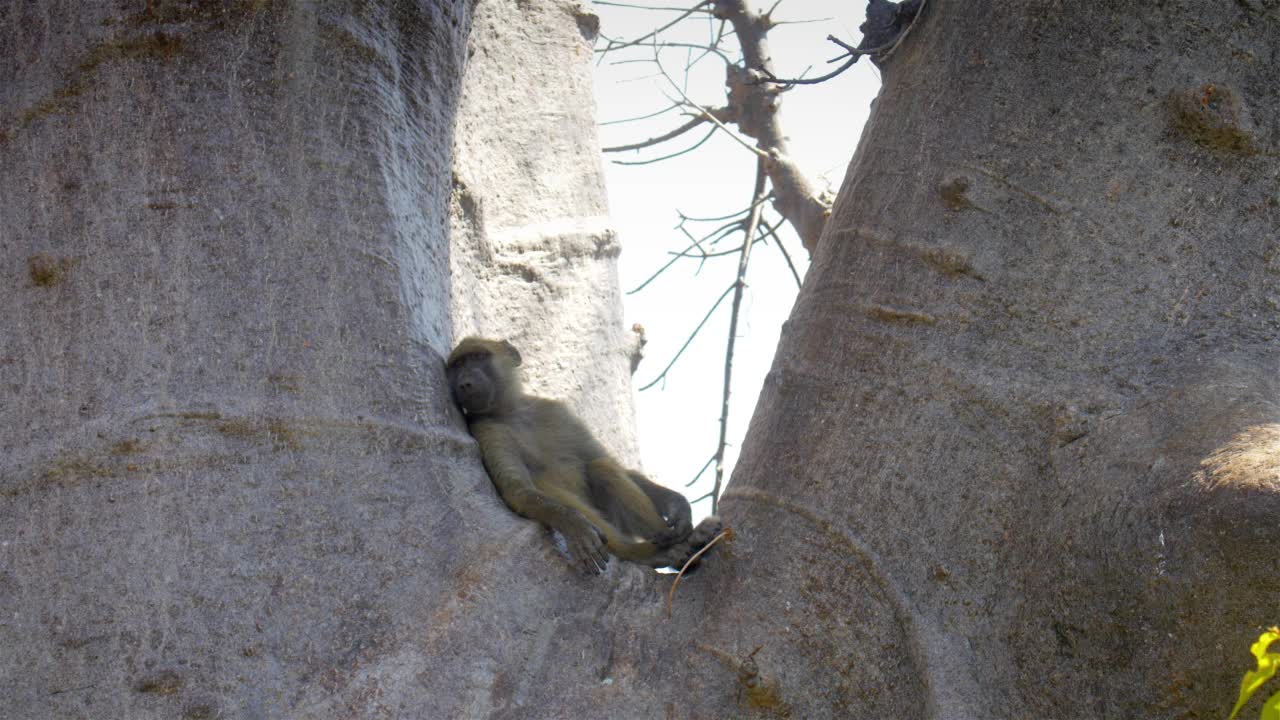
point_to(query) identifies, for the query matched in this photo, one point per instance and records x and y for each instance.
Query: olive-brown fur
(548, 466)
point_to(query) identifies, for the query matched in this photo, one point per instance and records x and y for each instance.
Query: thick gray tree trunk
(226, 453)
(232, 483)
(1019, 454)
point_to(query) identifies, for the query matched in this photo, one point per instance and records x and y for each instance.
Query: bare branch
(693, 242)
(638, 78)
(739, 286)
(720, 32)
(772, 231)
(754, 95)
(720, 232)
(788, 82)
(632, 61)
(696, 243)
(810, 21)
(664, 111)
(706, 255)
(640, 7)
(653, 277)
(708, 48)
(756, 105)
(710, 116)
(692, 335)
(678, 153)
(848, 49)
(752, 108)
(695, 122)
(702, 254)
(616, 45)
(699, 475)
(743, 212)
(708, 495)
(713, 238)
(853, 54)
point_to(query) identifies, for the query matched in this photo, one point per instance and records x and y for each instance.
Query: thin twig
(848, 49)
(711, 238)
(702, 253)
(692, 335)
(751, 148)
(639, 7)
(853, 53)
(700, 7)
(785, 255)
(743, 211)
(664, 111)
(810, 21)
(815, 80)
(632, 61)
(695, 122)
(739, 285)
(725, 534)
(693, 242)
(699, 475)
(677, 153)
(714, 36)
(638, 78)
(719, 32)
(654, 276)
(708, 48)
(714, 237)
(723, 231)
(706, 255)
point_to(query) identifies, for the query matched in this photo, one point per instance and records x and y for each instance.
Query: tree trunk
(229, 463)
(532, 250)
(1019, 452)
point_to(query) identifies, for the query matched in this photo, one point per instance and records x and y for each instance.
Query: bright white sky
(679, 419)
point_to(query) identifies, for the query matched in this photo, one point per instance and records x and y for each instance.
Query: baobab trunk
(1029, 393)
(232, 483)
(226, 441)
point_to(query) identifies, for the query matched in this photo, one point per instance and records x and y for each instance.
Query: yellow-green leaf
(1271, 708)
(1268, 663)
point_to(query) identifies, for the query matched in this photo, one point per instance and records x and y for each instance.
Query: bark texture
(1030, 388)
(225, 446)
(533, 254)
(237, 246)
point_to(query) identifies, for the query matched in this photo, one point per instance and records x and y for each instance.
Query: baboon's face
(481, 374)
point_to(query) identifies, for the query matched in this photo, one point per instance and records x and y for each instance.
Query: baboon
(548, 467)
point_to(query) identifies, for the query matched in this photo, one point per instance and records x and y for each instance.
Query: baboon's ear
(513, 352)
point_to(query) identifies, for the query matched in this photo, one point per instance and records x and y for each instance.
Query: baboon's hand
(670, 536)
(587, 546)
(679, 525)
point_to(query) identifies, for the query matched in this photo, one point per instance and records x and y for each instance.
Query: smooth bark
(1030, 387)
(226, 452)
